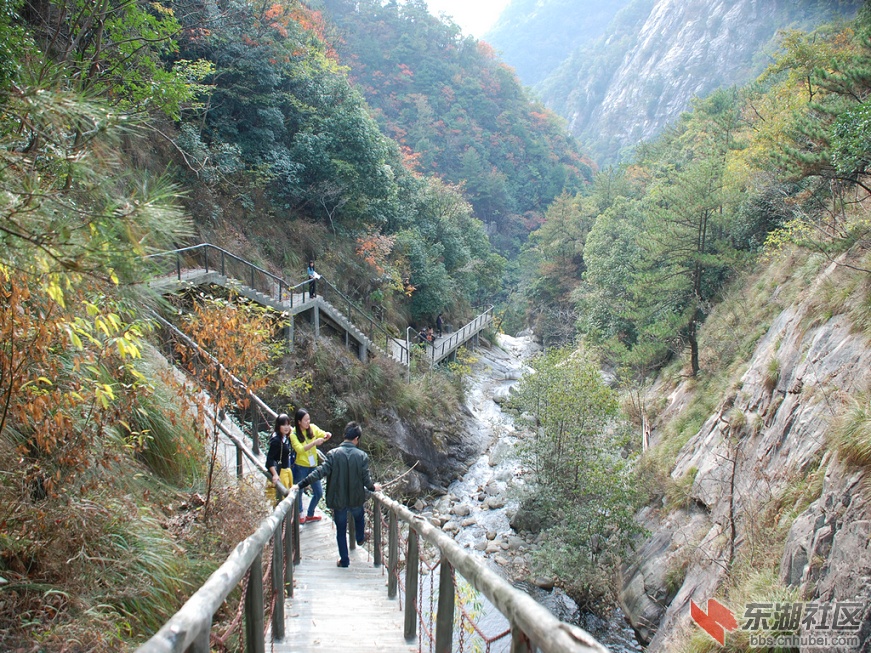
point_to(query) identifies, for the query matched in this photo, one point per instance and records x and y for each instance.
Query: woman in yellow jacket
(305, 439)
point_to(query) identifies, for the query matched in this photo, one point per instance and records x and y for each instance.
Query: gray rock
(743, 465)
(495, 503)
(527, 520)
(516, 543)
(501, 394)
(543, 583)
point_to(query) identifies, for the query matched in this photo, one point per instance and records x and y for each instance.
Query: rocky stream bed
(478, 508)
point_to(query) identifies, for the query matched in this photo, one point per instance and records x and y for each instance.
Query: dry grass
(851, 433)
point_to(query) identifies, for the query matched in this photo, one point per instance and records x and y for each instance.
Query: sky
(474, 17)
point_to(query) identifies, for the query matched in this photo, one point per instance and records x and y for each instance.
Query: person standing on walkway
(347, 472)
(313, 277)
(280, 456)
(440, 323)
(305, 440)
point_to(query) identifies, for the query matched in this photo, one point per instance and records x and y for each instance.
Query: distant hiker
(439, 324)
(280, 457)
(346, 470)
(313, 277)
(305, 440)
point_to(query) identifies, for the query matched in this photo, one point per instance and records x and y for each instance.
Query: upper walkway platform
(206, 264)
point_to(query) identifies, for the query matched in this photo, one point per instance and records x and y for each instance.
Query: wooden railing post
(411, 572)
(254, 638)
(203, 643)
(392, 555)
(376, 533)
(255, 432)
(296, 551)
(445, 614)
(278, 584)
(288, 554)
(520, 642)
(238, 462)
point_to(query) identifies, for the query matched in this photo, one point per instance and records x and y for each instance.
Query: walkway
(194, 266)
(335, 609)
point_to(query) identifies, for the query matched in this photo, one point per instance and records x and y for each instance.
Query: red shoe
(302, 519)
(313, 518)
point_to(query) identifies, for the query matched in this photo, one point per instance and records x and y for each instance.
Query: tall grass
(143, 572)
(171, 448)
(851, 433)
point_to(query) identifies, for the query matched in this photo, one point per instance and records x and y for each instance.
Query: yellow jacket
(306, 458)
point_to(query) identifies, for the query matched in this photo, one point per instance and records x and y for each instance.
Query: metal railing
(376, 333)
(211, 258)
(442, 347)
(190, 628)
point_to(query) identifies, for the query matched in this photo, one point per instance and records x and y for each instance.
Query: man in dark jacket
(347, 472)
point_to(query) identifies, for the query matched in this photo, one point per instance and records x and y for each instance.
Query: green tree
(685, 254)
(613, 260)
(582, 484)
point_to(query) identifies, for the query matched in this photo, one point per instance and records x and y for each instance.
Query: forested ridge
(459, 113)
(129, 128)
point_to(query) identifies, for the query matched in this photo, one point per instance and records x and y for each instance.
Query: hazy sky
(474, 16)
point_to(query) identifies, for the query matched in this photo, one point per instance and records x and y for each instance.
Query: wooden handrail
(528, 619)
(188, 629)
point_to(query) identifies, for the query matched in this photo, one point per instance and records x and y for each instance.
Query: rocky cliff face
(763, 447)
(643, 74)
(535, 36)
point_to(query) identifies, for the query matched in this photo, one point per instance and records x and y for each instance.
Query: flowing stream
(477, 507)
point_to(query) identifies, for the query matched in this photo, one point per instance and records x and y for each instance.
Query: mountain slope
(535, 36)
(659, 54)
(459, 113)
